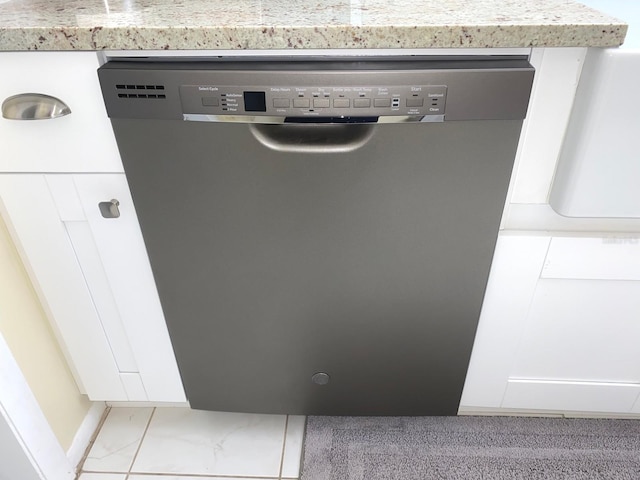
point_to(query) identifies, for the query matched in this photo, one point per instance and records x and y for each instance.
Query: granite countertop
(292, 24)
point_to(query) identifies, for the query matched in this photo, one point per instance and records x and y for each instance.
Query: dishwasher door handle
(316, 138)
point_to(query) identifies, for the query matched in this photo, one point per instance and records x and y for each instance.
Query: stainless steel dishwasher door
(341, 274)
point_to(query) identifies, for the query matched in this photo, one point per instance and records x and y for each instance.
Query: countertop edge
(326, 37)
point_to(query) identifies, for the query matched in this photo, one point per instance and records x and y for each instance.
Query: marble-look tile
(293, 446)
(184, 441)
(103, 476)
(118, 440)
(187, 477)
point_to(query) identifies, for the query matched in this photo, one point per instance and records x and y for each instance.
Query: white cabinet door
(80, 142)
(512, 282)
(130, 281)
(28, 209)
(579, 348)
(95, 283)
(567, 341)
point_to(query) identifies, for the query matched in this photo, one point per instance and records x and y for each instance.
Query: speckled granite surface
(288, 24)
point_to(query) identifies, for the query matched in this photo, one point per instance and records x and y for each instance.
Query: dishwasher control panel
(318, 89)
(314, 101)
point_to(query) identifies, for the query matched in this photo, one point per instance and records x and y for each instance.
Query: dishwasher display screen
(254, 102)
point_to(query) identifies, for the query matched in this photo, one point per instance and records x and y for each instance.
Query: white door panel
(584, 330)
(512, 281)
(40, 236)
(558, 329)
(121, 248)
(92, 268)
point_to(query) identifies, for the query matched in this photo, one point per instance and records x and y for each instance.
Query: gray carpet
(491, 448)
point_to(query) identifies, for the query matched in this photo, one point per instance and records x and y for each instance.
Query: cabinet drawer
(80, 142)
(605, 258)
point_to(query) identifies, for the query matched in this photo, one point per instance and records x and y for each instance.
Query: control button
(301, 102)
(281, 103)
(341, 103)
(321, 103)
(415, 102)
(361, 102)
(210, 101)
(382, 102)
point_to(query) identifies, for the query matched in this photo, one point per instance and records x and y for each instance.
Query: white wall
(15, 465)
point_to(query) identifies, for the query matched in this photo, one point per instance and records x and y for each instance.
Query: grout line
(140, 444)
(284, 446)
(87, 450)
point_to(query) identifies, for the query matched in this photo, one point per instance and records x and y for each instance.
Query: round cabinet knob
(320, 378)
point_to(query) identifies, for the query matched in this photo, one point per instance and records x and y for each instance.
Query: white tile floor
(177, 443)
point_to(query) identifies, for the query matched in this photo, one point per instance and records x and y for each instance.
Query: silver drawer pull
(109, 209)
(33, 106)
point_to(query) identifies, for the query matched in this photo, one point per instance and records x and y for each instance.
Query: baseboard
(513, 412)
(85, 433)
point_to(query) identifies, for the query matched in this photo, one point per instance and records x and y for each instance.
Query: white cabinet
(41, 237)
(560, 316)
(599, 166)
(128, 277)
(557, 74)
(95, 283)
(91, 273)
(79, 142)
(559, 327)
(598, 170)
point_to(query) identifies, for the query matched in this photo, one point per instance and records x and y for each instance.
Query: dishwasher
(320, 229)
